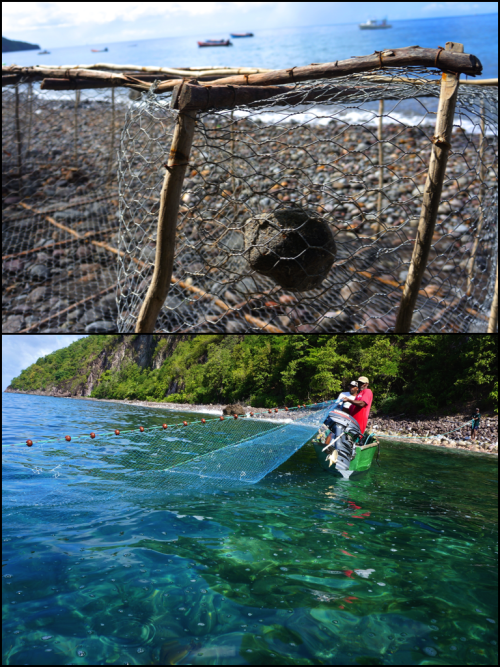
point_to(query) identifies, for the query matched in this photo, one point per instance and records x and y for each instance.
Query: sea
(396, 566)
(284, 47)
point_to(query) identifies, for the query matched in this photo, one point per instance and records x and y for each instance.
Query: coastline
(384, 427)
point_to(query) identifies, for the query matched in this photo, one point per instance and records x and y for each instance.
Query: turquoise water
(397, 566)
(285, 47)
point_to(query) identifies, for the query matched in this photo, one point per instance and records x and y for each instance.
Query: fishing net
(79, 226)
(335, 169)
(208, 455)
(59, 208)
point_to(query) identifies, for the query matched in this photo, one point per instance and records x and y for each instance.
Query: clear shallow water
(277, 48)
(398, 566)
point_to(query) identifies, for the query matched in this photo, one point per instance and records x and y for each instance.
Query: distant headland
(13, 45)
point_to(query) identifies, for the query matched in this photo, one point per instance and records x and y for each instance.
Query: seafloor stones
(293, 246)
(234, 409)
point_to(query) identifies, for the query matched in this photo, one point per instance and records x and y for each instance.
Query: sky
(21, 350)
(58, 24)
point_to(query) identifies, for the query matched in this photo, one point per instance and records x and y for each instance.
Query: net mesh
(296, 215)
(354, 169)
(60, 208)
(202, 456)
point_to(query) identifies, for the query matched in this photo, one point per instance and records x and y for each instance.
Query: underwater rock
(293, 246)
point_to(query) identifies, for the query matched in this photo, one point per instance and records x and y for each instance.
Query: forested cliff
(419, 374)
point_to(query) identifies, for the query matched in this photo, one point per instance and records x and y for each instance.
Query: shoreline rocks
(487, 443)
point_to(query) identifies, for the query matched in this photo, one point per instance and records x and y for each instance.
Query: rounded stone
(293, 246)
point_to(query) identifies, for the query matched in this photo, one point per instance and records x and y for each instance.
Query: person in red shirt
(360, 406)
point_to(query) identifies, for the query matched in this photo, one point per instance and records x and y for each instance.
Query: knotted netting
(203, 455)
(300, 213)
(59, 207)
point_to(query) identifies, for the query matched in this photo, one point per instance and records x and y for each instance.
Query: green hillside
(14, 45)
(412, 374)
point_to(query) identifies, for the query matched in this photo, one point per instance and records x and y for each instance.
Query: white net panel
(202, 455)
(287, 223)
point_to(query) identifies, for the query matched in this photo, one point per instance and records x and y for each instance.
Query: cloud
(20, 351)
(35, 15)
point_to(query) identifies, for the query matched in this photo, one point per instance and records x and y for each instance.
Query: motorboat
(215, 42)
(99, 50)
(349, 452)
(242, 34)
(43, 53)
(373, 24)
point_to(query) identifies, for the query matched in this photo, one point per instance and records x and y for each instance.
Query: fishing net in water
(204, 455)
(300, 213)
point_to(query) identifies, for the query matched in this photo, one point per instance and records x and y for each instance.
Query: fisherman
(353, 390)
(475, 424)
(360, 406)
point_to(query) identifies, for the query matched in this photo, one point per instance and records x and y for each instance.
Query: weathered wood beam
(410, 56)
(432, 193)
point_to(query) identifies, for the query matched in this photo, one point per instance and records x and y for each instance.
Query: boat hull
(228, 43)
(361, 462)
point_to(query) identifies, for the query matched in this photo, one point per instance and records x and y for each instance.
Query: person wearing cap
(360, 406)
(475, 424)
(353, 390)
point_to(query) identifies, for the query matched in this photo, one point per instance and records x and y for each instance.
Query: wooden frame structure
(200, 89)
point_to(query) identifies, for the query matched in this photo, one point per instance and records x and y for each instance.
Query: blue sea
(396, 566)
(285, 47)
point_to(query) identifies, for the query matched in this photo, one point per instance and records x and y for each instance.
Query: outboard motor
(342, 425)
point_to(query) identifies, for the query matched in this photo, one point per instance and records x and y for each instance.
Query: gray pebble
(39, 271)
(101, 327)
(13, 323)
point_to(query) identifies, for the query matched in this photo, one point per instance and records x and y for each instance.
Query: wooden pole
(432, 194)
(470, 266)
(77, 101)
(493, 321)
(30, 116)
(18, 134)
(381, 162)
(233, 182)
(410, 56)
(112, 149)
(167, 222)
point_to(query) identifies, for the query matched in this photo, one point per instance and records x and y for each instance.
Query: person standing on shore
(475, 425)
(360, 408)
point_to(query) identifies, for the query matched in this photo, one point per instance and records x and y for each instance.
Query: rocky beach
(67, 260)
(428, 430)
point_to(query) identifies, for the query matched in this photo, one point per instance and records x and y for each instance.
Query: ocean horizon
(276, 48)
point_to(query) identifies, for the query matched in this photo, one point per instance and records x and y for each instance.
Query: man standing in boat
(360, 406)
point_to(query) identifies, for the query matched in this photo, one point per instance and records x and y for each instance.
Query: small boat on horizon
(99, 50)
(373, 24)
(43, 53)
(242, 34)
(215, 42)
